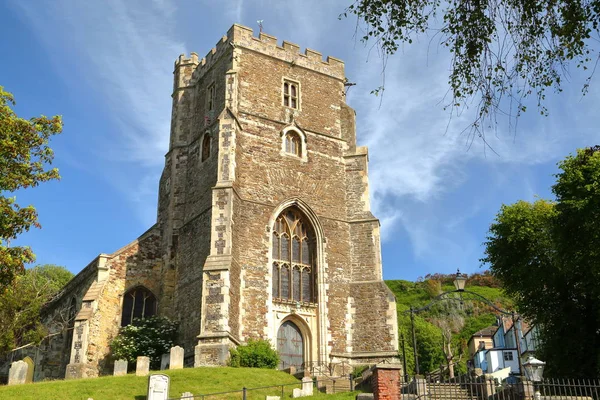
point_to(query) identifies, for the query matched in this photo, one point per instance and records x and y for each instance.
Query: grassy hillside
(195, 380)
(454, 319)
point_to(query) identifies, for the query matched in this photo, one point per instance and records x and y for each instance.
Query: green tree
(22, 302)
(547, 254)
(24, 157)
(499, 49)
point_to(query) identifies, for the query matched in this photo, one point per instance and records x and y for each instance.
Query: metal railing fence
(325, 384)
(485, 388)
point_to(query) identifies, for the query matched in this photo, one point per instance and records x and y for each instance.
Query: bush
(150, 337)
(255, 354)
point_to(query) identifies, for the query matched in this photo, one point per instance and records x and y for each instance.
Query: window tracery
(293, 266)
(138, 302)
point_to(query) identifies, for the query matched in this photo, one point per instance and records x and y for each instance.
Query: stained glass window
(297, 283)
(275, 280)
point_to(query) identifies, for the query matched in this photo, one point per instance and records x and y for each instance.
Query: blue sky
(106, 67)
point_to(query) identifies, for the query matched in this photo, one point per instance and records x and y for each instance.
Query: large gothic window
(139, 302)
(293, 269)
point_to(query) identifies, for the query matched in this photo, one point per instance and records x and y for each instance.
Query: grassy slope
(194, 380)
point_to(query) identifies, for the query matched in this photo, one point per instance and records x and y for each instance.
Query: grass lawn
(195, 380)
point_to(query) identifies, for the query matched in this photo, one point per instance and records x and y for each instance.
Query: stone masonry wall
(137, 264)
(265, 177)
(375, 328)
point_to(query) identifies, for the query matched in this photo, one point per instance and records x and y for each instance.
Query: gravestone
(30, 367)
(142, 366)
(176, 359)
(17, 373)
(120, 368)
(158, 387)
(307, 386)
(297, 392)
(187, 395)
(273, 398)
(164, 361)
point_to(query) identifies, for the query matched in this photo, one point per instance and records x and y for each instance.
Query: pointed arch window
(294, 275)
(292, 144)
(138, 302)
(205, 146)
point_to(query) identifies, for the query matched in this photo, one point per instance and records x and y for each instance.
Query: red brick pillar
(386, 382)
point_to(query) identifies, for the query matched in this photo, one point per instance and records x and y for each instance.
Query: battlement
(242, 37)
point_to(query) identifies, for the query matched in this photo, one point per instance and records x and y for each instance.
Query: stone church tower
(264, 226)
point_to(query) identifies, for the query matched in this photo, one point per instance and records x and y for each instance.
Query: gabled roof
(489, 331)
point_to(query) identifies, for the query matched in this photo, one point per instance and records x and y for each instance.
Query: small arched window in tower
(290, 94)
(292, 143)
(138, 302)
(205, 146)
(293, 268)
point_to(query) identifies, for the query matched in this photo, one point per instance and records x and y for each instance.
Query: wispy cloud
(120, 52)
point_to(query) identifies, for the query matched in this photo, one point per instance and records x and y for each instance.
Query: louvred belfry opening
(293, 269)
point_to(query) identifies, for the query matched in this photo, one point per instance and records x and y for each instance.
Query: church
(263, 229)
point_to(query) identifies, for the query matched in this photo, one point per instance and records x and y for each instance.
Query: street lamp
(534, 370)
(459, 281)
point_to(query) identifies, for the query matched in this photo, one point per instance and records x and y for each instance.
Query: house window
(508, 356)
(138, 302)
(205, 146)
(293, 266)
(292, 143)
(210, 97)
(290, 94)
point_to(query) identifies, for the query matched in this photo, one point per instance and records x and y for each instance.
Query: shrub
(151, 337)
(255, 354)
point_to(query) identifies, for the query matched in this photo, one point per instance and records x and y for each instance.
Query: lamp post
(459, 285)
(534, 371)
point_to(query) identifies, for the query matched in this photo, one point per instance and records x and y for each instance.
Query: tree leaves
(24, 156)
(547, 254)
(509, 49)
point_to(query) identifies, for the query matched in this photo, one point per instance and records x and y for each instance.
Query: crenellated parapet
(189, 70)
(243, 37)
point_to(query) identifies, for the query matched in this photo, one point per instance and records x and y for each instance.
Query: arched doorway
(290, 346)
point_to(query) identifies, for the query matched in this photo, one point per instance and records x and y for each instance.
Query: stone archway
(290, 346)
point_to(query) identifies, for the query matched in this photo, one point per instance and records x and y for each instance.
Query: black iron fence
(486, 388)
(318, 384)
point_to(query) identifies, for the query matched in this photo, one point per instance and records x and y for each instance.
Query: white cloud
(122, 53)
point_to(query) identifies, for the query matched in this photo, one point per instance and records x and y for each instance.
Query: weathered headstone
(142, 366)
(176, 359)
(273, 398)
(17, 373)
(120, 368)
(164, 361)
(30, 367)
(307, 386)
(297, 392)
(158, 387)
(187, 395)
